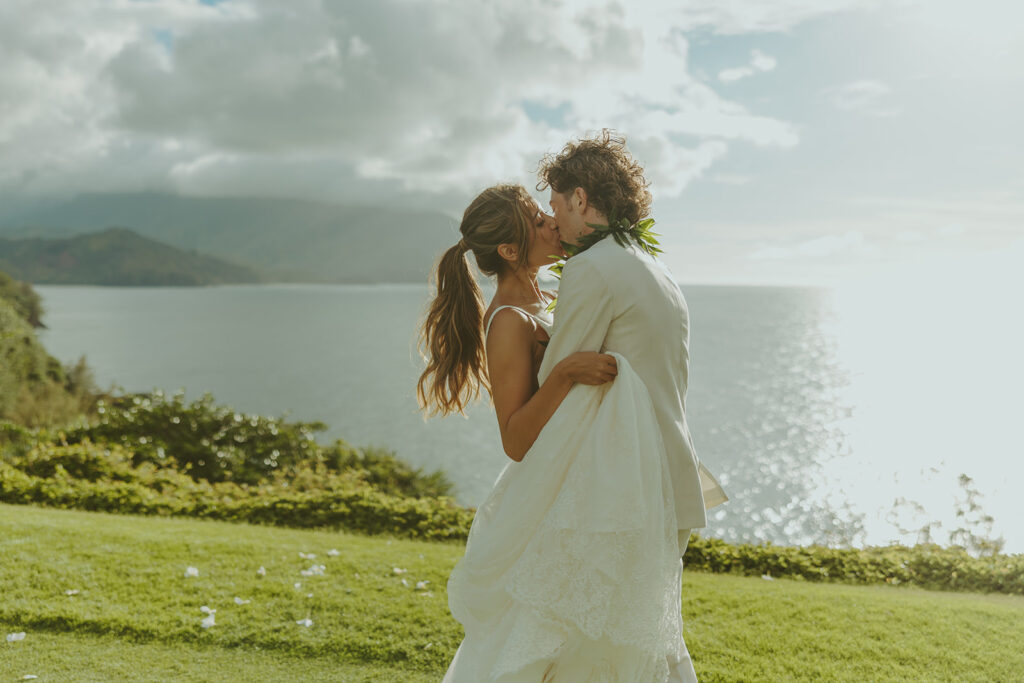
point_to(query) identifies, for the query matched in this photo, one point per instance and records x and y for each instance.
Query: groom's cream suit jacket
(615, 298)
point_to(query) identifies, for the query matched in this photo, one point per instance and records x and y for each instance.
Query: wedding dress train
(572, 569)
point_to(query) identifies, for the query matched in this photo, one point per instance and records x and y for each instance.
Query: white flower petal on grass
(398, 570)
(428, 646)
(298, 584)
(240, 601)
(12, 637)
(191, 571)
(309, 595)
(209, 621)
(357, 575)
(333, 553)
(206, 610)
(71, 591)
(307, 622)
(405, 583)
(427, 594)
(261, 571)
(421, 585)
(307, 556)
(767, 577)
(28, 677)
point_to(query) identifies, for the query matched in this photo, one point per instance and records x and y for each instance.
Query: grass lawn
(137, 616)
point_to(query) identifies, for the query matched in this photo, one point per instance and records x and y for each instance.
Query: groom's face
(569, 221)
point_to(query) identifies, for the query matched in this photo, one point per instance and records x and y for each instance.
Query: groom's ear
(579, 200)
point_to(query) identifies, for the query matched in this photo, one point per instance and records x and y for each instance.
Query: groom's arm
(582, 315)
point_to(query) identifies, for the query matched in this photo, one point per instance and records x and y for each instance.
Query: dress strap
(495, 312)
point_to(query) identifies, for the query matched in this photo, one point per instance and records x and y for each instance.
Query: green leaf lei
(621, 231)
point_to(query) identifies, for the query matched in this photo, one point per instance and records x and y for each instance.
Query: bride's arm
(522, 416)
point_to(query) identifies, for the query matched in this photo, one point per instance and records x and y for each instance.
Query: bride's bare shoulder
(511, 331)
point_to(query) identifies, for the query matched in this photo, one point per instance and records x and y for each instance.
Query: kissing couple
(573, 566)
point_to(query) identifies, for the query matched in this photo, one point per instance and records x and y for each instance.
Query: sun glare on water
(935, 362)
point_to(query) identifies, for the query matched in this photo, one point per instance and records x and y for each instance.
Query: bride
(571, 569)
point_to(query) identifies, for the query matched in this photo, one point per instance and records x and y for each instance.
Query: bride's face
(544, 240)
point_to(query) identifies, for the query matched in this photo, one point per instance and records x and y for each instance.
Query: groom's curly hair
(613, 180)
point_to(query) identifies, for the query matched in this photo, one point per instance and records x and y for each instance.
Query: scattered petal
(421, 585)
(428, 646)
(307, 556)
(209, 621)
(357, 575)
(71, 591)
(421, 556)
(405, 583)
(240, 601)
(11, 637)
(309, 595)
(400, 571)
(333, 553)
(206, 610)
(261, 571)
(427, 594)
(28, 677)
(191, 571)
(307, 622)
(298, 584)
(767, 577)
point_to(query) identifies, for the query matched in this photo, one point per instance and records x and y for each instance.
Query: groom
(615, 298)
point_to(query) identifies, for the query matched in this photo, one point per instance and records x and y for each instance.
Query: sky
(818, 142)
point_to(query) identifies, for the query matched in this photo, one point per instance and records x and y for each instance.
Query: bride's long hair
(452, 333)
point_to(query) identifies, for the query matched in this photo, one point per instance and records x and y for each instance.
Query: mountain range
(284, 240)
(115, 256)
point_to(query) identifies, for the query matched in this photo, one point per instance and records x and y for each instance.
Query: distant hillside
(285, 239)
(115, 256)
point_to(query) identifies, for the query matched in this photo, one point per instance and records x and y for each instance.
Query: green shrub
(111, 482)
(204, 440)
(928, 566)
(386, 472)
(216, 443)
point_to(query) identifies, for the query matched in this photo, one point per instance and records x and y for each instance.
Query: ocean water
(830, 416)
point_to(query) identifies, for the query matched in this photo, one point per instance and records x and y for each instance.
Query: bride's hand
(589, 367)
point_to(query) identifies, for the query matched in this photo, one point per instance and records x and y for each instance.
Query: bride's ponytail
(452, 335)
(453, 338)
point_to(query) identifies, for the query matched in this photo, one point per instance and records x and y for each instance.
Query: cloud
(357, 100)
(750, 16)
(731, 178)
(759, 62)
(817, 247)
(865, 96)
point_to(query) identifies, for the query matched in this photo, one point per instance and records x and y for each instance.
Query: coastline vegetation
(64, 444)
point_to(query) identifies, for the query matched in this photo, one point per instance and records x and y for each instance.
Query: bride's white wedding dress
(572, 569)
